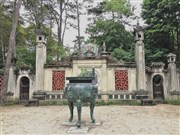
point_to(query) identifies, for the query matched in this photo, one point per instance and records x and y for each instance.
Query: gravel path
(159, 119)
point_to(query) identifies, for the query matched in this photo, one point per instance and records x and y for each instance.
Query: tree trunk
(78, 23)
(60, 28)
(2, 49)
(178, 46)
(64, 30)
(10, 52)
(61, 22)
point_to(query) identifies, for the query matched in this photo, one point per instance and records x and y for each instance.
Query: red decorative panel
(58, 80)
(121, 80)
(1, 81)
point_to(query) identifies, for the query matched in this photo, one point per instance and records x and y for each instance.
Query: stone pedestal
(75, 130)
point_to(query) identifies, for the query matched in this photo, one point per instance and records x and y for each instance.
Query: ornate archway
(24, 88)
(158, 90)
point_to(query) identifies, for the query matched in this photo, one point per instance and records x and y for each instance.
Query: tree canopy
(162, 36)
(109, 27)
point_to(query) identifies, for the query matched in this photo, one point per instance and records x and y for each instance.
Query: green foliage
(10, 102)
(1, 71)
(5, 27)
(36, 13)
(25, 58)
(109, 27)
(154, 54)
(53, 102)
(123, 55)
(117, 102)
(163, 19)
(173, 102)
(85, 73)
(115, 36)
(122, 7)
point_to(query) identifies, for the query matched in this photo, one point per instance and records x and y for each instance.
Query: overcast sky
(71, 34)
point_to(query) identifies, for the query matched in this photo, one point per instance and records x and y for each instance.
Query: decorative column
(40, 59)
(140, 58)
(171, 58)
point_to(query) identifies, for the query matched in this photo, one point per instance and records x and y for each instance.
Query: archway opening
(158, 91)
(24, 88)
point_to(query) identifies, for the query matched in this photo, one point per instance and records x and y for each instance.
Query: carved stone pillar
(140, 58)
(171, 58)
(40, 59)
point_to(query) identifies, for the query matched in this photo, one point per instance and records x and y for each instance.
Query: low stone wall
(174, 95)
(58, 95)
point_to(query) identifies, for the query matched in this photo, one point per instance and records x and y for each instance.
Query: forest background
(107, 22)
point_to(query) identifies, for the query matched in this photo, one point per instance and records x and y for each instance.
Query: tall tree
(79, 9)
(10, 49)
(163, 17)
(5, 24)
(36, 13)
(109, 27)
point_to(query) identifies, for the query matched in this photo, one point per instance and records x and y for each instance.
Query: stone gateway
(116, 80)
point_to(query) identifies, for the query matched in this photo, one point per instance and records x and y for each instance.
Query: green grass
(173, 102)
(52, 102)
(118, 102)
(11, 102)
(98, 102)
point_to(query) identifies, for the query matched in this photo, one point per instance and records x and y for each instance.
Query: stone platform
(85, 127)
(75, 130)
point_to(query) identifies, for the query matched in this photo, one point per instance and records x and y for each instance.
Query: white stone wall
(48, 79)
(48, 76)
(12, 81)
(106, 76)
(131, 79)
(178, 81)
(111, 79)
(100, 69)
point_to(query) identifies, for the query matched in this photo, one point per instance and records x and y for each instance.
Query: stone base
(75, 130)
(69, 124)
(93, 124)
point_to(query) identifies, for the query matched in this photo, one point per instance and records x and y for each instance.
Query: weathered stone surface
(92, 124)
(75, 130)
(69, 124)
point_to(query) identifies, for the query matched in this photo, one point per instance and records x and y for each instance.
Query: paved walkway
(159, 119)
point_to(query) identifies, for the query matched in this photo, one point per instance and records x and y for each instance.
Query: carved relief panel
(58, 80)
(121, 80)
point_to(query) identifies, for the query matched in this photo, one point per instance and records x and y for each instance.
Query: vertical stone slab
(40, 60)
